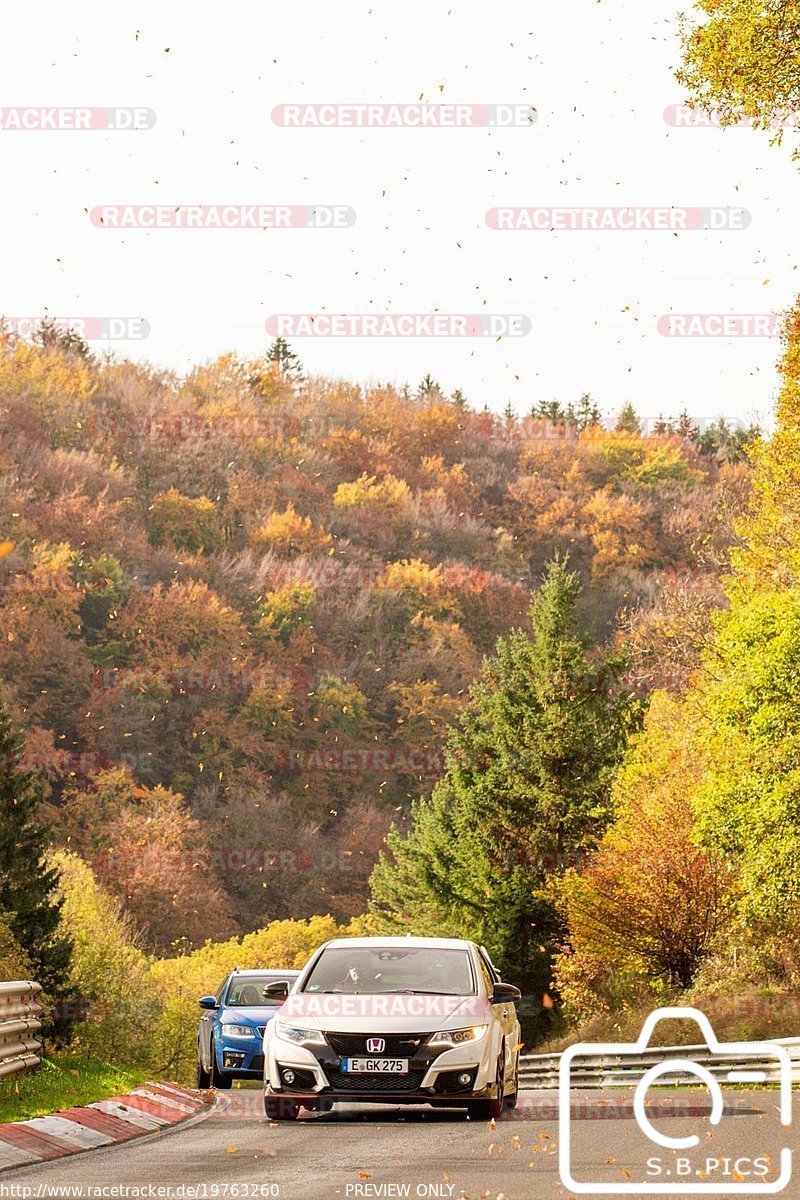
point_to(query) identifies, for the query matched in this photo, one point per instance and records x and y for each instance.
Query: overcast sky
(599, 76)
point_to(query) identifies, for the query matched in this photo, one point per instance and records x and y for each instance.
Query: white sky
(599, 75)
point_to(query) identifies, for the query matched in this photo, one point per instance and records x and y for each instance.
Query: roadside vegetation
(60, 1082)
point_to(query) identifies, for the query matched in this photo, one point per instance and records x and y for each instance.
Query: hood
(236, 1014)
(384, 1013)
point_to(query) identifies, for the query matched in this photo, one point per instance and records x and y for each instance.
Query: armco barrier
(19, 1023)
(607, 1071)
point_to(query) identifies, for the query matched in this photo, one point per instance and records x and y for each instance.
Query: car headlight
(238, 1031)
(457, 1037)
(300, 1037)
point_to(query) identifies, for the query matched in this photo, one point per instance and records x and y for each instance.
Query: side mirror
(277, 990)
(506, 993)
(207, 1001)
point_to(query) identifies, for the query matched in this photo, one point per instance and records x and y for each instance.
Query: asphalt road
(370, 1153)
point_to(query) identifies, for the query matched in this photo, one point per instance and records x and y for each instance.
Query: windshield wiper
(418, 992)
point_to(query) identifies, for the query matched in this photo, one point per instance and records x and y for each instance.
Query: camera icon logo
(688, 1165)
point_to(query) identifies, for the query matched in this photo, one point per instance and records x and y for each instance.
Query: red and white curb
(146, 1109)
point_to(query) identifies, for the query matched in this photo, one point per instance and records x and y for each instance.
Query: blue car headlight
(238, 1031)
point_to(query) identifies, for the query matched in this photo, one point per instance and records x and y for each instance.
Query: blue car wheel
(203, 1076)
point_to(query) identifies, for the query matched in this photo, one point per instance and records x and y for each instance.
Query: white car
(403, 1020)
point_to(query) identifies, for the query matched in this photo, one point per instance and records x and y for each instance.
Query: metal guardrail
(19, 1013)
(608, 1071)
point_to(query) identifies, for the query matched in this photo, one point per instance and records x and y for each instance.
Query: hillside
(239, 609)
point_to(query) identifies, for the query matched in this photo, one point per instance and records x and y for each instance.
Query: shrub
(192, 525)
(288, 534)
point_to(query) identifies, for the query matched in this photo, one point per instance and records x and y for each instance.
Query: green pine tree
(282, 354)
(549, 410)
(587, 413)
(627, 421)
(428, 388)
(525, 791)
(27, 887)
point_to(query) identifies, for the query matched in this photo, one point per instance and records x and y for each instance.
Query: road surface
(377, 1152)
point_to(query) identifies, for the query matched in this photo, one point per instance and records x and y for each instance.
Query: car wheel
(281, 1108)
(512, 1098)
(219, 1079)
(486, 1110)
(203, 1077)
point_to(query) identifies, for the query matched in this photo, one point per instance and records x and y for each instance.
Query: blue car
(231, 1034)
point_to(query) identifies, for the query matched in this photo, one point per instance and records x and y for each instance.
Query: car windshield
(377, 969)
(248, 991)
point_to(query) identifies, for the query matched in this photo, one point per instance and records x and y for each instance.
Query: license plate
(375, 1066)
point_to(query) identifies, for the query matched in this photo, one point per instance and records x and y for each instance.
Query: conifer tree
(28, 887)
(525, 793)
(627, 421)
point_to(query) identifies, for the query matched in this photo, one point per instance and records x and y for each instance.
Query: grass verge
(60, 1082)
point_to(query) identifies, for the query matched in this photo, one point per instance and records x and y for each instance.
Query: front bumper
(434, 1076)
(243, 1058)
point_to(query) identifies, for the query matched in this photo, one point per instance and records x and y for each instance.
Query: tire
(512, 1098)
(203, 1076)
(219, 1079)
(281, 1108)
(478, 1110)
(492, 1108)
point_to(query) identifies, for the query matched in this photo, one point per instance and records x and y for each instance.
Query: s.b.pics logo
(699, 1156)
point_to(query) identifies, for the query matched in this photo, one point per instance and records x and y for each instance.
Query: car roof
(430, 943)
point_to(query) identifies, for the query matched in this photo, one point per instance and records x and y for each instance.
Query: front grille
(398, 1045)
(343, 1081)
(260, 1031)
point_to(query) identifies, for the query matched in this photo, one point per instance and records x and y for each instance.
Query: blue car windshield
(379, 969)
(247, 991)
